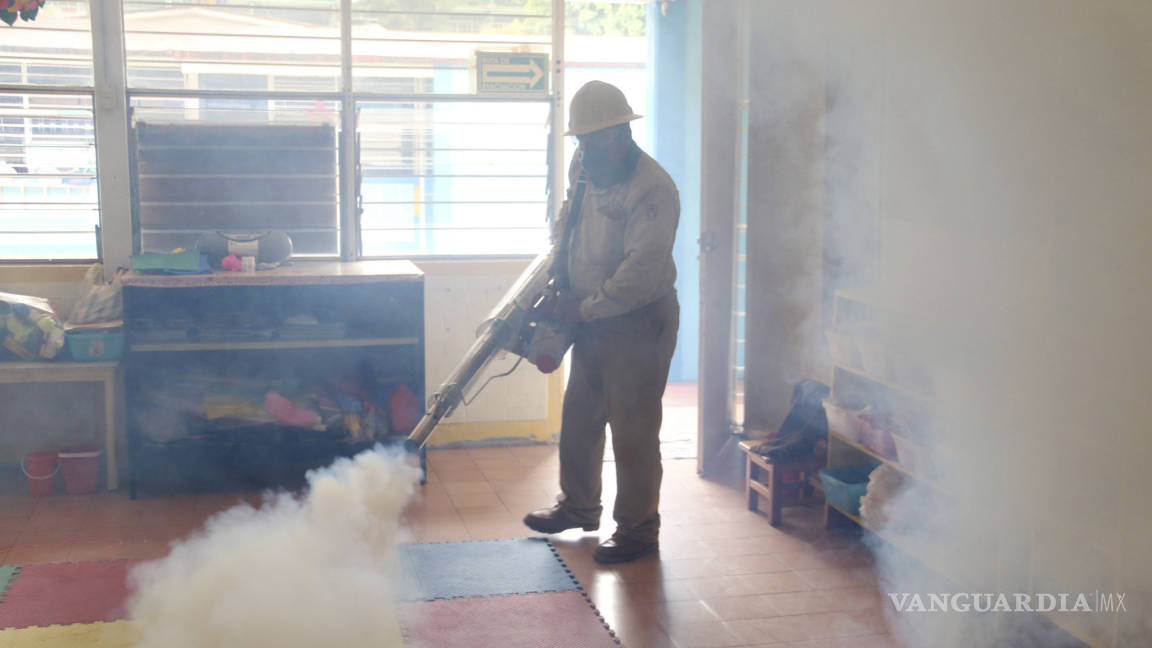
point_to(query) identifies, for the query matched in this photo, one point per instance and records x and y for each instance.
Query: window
(442, 172)
(205, 44)
(248, 75)
(48, 197)
(207, 164)
(453, 178)
(438, 169)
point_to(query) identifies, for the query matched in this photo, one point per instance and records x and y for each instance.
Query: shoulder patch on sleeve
(652, 211)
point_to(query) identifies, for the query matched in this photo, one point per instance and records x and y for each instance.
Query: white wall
(1010, 150)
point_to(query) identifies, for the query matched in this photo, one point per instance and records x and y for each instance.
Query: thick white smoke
(1003, 153)
(314, 570)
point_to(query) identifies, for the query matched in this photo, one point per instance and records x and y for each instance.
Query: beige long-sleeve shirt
(621, 251)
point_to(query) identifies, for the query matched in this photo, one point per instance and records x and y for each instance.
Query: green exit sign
(508, 72)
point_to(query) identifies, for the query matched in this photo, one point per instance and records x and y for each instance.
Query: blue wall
(674, 130)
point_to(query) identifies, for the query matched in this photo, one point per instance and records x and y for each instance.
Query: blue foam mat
(485, 568)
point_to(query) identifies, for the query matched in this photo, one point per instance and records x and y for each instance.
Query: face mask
(597, 163)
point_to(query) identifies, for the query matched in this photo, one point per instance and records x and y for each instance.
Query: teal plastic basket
(96, 346)
(845, 485)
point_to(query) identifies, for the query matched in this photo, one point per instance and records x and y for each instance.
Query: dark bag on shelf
(804, 427)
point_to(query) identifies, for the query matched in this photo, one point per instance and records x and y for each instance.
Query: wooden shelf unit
(843, 451)
(855, 387)
(377, 307)
(894, 464)
(145, 347)
(107, 373)
(918, 395)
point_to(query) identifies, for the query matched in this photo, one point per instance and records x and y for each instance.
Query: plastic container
(843, 421)
(845, 485)
(96, 346)
(914, 456)
(81, 468)
(876, 434)
(40, 468)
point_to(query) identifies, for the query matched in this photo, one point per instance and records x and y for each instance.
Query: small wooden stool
(765, 478)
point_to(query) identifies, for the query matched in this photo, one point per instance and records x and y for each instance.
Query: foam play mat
(62, 593)
(488, 568)
(549, 620)
(507, 593)
(7, 572)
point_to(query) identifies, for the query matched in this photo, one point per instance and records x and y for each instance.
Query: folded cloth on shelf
(180, 262)
(288, 413)
(219, 406)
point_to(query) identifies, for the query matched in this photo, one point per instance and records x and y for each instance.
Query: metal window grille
(48, 194)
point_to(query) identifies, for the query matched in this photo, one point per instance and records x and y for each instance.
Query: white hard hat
(596, 106)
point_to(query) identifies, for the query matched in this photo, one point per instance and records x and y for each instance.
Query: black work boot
(620, 549)
(555, 520)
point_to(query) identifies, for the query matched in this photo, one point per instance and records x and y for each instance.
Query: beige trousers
(619, 370)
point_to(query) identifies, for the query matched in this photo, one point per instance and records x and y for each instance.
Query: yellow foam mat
(117, 634)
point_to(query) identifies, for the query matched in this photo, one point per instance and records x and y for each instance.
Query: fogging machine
(524, 323)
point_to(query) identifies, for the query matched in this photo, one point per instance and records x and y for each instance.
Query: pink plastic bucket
(81, 466)
(40, 468)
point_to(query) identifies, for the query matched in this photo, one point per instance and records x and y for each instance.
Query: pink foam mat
(65, 593)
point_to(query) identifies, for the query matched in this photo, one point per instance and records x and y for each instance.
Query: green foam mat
(7, 575)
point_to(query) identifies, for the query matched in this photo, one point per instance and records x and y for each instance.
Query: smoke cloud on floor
(299, 571)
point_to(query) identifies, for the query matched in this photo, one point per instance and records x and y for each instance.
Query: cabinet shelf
(272, 344)
(895, 464)
(241, 354)
(920, 396)
(877, 302)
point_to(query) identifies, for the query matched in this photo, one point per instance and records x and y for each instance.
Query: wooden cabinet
(949, 532)
(249, 380)
(870, 377)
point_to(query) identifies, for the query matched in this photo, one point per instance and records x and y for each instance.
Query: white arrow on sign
(499, 73)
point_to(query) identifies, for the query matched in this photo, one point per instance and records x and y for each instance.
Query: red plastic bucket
(40, 468)
(81, 466)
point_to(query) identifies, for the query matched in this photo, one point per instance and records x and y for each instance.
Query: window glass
(453, 177)
(201, 44)
(48, 199)
(47, 177)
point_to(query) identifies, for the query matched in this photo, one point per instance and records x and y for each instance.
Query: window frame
(112, 98)
(350, 195)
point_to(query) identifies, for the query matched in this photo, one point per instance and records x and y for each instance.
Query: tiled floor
(724, 576)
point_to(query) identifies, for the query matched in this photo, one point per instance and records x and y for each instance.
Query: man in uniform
(614, 241)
